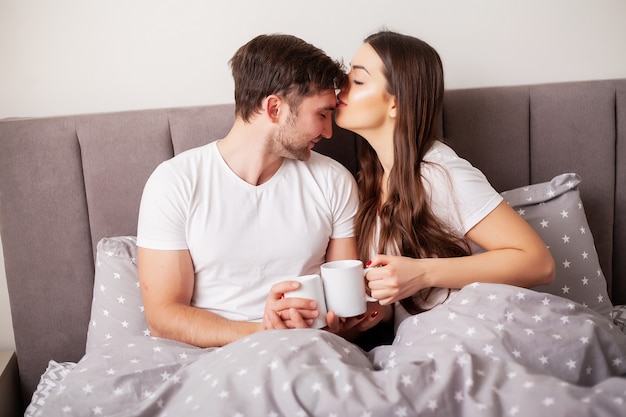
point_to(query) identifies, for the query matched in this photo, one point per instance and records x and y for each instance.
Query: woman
(429, 222)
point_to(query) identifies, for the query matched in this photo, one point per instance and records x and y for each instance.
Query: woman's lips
(341, 103)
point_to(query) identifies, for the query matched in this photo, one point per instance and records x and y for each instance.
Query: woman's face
(364, 104)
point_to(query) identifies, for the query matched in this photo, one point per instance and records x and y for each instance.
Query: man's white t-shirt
(245, 238)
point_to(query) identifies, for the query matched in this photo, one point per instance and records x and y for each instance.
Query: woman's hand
(288, 313)
(351, 327)
(393, 278)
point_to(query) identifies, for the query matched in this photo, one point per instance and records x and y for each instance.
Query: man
(224, 228)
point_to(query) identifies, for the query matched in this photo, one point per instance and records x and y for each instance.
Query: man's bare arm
(339, 249)
(167, 282)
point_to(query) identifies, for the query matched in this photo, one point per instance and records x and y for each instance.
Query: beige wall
(77, 56)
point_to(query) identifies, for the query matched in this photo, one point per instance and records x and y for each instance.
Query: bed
(69, 195)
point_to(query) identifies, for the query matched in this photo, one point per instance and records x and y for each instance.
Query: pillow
(554, 209)
(51, 378)
(117, 306)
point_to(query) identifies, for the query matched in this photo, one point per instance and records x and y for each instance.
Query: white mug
(344, 287)
(311, 288)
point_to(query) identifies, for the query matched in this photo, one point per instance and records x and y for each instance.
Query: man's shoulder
(194, 153)
(326, 164)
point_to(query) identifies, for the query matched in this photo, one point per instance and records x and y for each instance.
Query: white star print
(401, 412)
(544, 224)
(432, 405)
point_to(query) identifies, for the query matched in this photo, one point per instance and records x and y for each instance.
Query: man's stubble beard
(283, 144)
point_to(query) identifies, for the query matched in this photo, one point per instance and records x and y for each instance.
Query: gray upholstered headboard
(66, 182)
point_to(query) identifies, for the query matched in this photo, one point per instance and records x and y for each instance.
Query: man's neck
(246, 151)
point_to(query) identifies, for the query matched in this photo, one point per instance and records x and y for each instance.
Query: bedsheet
(491, 350)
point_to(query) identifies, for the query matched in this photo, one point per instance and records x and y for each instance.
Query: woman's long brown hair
(414, 75)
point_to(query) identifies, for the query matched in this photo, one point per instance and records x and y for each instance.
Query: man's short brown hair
(283, 65)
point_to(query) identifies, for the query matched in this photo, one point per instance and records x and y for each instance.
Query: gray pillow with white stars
(117, 307)
(554, 209)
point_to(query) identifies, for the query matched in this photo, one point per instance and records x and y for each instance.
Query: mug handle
(368, 297)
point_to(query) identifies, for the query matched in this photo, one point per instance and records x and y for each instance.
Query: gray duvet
(491, 350)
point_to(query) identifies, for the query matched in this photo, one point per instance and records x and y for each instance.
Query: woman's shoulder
(441, 152)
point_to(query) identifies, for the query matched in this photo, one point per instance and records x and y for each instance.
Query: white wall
(83, 56)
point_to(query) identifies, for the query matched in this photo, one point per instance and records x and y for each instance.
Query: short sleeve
(163, 211)
(460, 194)
(344, 200)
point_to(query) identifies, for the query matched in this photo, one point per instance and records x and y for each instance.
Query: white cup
(344, 287)
(311, 288)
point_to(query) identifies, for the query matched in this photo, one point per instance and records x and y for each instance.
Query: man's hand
(288, 313)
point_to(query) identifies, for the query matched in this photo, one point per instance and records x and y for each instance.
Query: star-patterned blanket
(491, 350)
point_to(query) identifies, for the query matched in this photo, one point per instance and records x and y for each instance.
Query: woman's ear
(393, 110)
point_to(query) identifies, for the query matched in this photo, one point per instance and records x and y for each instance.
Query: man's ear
(272, 108)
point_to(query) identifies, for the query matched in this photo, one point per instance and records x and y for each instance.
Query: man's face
(298, 134)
